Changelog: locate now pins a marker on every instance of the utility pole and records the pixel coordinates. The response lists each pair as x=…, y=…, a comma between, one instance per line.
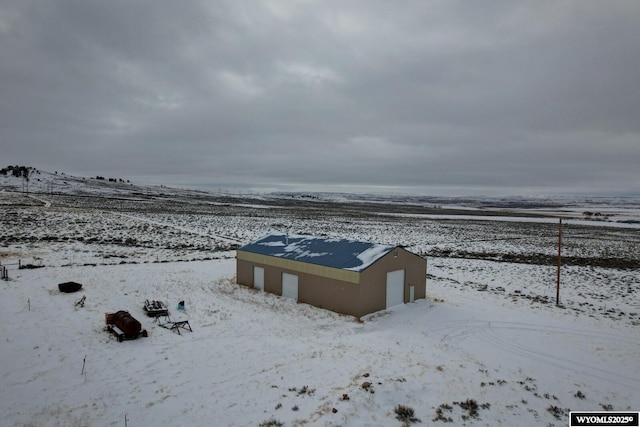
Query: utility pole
x=559, y=262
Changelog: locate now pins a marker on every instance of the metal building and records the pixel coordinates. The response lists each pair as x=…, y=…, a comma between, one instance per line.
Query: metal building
x=345, y=276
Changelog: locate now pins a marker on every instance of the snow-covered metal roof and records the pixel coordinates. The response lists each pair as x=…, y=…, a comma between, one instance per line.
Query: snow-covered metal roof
x=329, y=252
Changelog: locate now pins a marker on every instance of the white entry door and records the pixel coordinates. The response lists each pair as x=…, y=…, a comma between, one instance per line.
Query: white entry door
x=290, y=286
x=395, y=288
x=258, y=278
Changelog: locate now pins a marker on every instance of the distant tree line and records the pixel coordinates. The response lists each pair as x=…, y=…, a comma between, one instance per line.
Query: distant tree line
x=17, y=171
x=24, y=172
x=102, y=178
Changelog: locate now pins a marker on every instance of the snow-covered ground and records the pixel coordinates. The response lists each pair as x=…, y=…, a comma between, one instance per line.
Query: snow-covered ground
x=488, y=346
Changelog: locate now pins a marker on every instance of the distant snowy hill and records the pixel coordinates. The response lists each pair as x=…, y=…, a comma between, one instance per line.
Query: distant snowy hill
x=39, y=181
x=44, y=182
x=601, y=209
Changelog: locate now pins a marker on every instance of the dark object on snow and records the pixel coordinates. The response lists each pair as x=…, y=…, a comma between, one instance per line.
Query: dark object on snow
x=29, y=266
x=126, y=322
x=123, y=325
x=181, y=305
x=81, y=302
x=68, y=287
x=175, y=326
x=155, y=308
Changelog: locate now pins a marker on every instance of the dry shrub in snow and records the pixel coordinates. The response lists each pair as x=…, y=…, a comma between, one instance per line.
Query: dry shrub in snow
x=271, y=423
x=440, y=416
x=557, y=412
x=405, y=414
x=304, y=390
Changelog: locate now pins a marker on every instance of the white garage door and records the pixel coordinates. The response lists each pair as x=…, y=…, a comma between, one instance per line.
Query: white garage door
x=395, y=288
x=290, y=286
x=258, y=278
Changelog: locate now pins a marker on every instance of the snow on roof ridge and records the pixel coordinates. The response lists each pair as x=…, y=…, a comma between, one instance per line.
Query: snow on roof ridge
x=333, y=252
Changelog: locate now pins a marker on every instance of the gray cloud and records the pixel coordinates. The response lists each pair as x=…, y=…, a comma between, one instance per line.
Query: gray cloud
x=458, y=96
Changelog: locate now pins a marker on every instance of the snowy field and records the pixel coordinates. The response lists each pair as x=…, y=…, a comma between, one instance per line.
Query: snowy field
x=488, y=346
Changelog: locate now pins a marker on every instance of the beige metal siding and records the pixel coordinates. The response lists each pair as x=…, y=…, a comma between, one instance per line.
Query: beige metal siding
x=331, y=294
x=244, y=273
x=373, y=286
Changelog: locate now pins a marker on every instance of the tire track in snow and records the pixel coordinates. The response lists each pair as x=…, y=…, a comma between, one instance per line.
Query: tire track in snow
x=47, y=204
x=488, y=331
x=464, y=327
x=491, y=336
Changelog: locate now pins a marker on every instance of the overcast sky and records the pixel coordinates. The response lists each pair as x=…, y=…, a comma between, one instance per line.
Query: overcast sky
x=434, y=97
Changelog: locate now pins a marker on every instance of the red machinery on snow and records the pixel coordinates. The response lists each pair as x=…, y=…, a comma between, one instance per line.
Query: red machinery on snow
x=124, y=326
